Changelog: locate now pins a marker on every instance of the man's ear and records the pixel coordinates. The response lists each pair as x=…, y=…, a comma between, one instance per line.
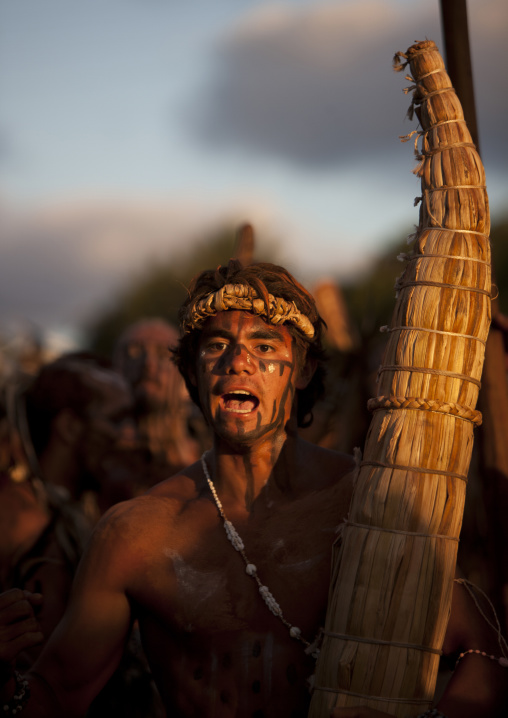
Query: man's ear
x=68, y=427
x=306, y=372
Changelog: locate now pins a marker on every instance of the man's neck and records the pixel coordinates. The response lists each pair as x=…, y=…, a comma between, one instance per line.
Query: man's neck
x=240, y=476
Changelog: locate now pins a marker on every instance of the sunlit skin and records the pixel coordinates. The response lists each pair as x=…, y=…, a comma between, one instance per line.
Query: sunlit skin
x=247, y=375
x=164, y=559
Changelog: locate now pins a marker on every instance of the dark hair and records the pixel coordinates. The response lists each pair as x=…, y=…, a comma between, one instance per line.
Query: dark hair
x=61, y=384
x=264, y=278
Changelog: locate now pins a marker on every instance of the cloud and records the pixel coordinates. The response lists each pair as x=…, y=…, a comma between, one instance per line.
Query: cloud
x=313, y=85
x=62, y=262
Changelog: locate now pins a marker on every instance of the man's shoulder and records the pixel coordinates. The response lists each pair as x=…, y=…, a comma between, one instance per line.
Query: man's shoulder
x=182, y=487
x=159, y=505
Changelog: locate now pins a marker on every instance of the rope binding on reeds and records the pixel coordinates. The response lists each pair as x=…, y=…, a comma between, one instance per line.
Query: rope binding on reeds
x=442, y=407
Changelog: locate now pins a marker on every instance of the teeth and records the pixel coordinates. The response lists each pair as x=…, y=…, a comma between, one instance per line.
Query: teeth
x=238, y=405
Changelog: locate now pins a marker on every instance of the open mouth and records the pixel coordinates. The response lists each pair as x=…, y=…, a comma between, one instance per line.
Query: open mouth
x=239, y=401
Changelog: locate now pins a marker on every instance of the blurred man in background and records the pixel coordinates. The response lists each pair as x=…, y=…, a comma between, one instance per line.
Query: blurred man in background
x=169, y=432
x=56, y=431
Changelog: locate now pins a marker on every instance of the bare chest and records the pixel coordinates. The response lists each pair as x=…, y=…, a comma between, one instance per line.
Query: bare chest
x=200, y=584
x=219, y=648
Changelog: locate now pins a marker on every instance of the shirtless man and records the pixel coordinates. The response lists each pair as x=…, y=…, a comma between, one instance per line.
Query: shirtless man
x=210, y=631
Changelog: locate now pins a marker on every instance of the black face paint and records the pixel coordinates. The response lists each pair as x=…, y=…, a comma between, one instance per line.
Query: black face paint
x=284, y=393
x=250, y=479
x=277, y=415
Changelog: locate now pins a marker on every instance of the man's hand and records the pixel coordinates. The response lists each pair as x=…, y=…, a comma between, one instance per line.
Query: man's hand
x=358, y=712
x=19, y=627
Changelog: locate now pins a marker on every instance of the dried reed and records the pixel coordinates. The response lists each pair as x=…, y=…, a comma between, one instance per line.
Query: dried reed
x=393, y=573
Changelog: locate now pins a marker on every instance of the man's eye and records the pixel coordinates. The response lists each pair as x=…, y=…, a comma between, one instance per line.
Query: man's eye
x=134, y=351
x=264, y=348
x=217, y=346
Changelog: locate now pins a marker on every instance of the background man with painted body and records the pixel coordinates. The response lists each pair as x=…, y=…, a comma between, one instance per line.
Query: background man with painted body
x=227, y=632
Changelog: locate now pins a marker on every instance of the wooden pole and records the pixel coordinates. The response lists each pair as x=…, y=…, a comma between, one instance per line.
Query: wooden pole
x=493, y=398
x=244, y=244
x=457, y=56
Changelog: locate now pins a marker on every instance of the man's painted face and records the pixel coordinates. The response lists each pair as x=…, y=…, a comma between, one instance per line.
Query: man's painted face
x=147, y=366
x=247, y=374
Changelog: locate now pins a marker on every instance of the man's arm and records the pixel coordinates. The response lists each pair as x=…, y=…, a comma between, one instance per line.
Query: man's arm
x=88, y=643
x=479, y=685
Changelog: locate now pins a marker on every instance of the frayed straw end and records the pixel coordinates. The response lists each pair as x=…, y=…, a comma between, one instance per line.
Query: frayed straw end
x=398, y=64
x=411, y=237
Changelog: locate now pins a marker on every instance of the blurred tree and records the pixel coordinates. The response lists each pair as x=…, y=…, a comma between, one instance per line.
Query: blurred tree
x=159, y=289
x=371, y=297
x=499, y=240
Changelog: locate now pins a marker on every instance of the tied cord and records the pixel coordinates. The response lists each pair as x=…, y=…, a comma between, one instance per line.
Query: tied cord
x=403, y=257
x=412, y=534
x=385, y=328
x=429, y=371
x=452, y=409
x=494, y=625
x=381, y=642
x=385, y=699
x=417, y=469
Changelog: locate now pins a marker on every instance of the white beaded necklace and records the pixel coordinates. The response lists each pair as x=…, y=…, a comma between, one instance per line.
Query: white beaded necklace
x=251, y=569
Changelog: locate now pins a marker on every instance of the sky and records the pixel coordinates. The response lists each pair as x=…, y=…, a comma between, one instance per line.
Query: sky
x=131, y=129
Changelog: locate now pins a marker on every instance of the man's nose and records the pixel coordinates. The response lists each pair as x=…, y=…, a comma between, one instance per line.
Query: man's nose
x=239, y=360
x=151, y=362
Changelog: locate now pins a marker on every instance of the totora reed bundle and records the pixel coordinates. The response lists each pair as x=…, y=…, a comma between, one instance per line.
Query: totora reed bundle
x=393, y=572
